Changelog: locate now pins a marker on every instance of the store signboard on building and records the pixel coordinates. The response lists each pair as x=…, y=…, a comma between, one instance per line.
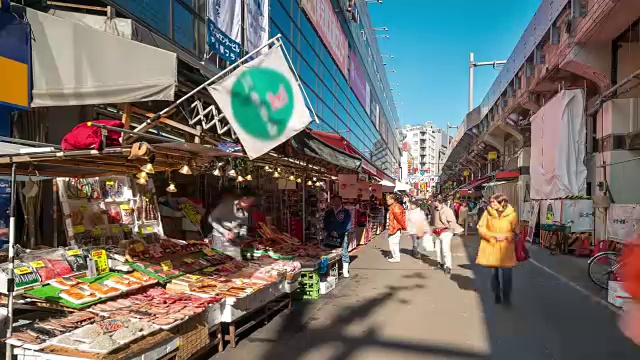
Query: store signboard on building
x=224, y=28
x=326, y=22
x=357, y=80
x=257, y=18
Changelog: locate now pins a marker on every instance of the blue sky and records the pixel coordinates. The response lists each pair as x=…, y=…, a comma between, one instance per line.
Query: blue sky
x=430, y=43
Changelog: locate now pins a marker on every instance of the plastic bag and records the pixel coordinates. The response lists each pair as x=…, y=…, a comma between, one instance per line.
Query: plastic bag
x=427, y=244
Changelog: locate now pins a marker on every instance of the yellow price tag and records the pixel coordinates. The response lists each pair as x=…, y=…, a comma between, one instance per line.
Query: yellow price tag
x=73, y=252
x=150, y=229
x=192, y=242
x=96, y=232
x=115, y=229
x=126, y=228
x=22, y=270
x=209, y=252
x=166, y=265
x=110, y=182
x=125, y=207
x=37, y=264
x=101, y=261
x=209, y=269
x=84, y=208
x=78, y=229
x=188, y=260
x=193, y=277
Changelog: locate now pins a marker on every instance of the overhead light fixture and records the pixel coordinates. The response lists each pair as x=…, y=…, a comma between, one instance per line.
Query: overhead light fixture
x=141, y=181
x=232, y=173
x=249, y=177
x=268, y=169
x=217, y=172
x=292, y=178
x=318, y=184
x=148, y=168
x=299, y=180
x=240, y=179
x=171, y=188
x=315, y=178
x=185, y=170
x=309, y=183
x=142, y=175
x=276, y=174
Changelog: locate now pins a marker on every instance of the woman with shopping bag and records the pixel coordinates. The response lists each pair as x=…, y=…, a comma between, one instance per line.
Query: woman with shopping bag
x=497, y=228
x=417, y=226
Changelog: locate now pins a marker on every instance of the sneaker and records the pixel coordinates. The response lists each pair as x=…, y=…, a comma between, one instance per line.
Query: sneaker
x=392, y=260
x=447, y=270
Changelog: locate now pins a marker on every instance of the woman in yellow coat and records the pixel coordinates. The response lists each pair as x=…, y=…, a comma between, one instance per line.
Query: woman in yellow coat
x=497, y=229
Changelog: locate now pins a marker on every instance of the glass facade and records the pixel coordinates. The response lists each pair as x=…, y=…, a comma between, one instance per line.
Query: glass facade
x=330, y=95
x=335, y=103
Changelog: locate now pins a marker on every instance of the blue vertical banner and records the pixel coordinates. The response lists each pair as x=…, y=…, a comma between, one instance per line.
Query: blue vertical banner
x=224, y=28
x=15, y=60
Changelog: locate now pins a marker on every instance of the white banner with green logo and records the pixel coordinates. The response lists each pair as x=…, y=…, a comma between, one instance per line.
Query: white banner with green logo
x=263, y=103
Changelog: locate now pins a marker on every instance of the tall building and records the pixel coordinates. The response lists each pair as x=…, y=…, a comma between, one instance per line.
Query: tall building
x=334, y=49
x=428, y=146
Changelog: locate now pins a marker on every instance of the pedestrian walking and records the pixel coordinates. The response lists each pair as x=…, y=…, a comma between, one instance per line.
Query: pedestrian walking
x=445, y=226
x=337, y=222
x=417, y=226
x=397, y=222
x=463, y=218
x=497, y=228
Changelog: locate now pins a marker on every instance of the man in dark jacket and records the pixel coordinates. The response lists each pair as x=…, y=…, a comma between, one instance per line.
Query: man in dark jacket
x=337, y=222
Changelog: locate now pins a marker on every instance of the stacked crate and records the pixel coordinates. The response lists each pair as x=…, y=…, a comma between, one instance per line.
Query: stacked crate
x=309, y=286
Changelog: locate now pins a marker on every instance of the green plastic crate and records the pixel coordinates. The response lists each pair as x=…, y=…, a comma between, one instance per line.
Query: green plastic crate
x=309, y=277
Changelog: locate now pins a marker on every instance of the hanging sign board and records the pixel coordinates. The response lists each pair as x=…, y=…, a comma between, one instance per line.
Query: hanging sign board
x=622, y=221
x=493, y=155
x=348, y=186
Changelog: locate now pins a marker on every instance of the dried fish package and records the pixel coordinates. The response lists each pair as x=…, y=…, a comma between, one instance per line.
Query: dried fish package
x=23, y=274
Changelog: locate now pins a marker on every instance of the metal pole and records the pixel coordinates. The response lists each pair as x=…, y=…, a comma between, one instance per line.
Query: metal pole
x=304, y=209
x=132, y=132
x=12, y=241
x=471, y=66
x=157, y=116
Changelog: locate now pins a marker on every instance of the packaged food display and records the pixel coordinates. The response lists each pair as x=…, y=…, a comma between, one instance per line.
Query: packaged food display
x=123, y=283
x=75, y=259
x=102, y=290
x=49, y=264
x=23, y=273
x=78, y=295
x=143, y=278
x=66, y=282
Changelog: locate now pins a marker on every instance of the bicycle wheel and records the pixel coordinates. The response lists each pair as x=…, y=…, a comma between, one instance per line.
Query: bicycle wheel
x=602, y=267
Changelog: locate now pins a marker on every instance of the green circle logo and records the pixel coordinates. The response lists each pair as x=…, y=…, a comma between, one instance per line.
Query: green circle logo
x=262, y=102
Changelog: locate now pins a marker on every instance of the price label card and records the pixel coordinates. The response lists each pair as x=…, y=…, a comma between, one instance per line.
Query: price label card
x=126, y=228
x=193, y=277
x=78, y=229
x=166, y=265
x=101, y=261
x=209, y=269
x=209, y=252
x=115, y=229
x=188, y=260
x=37, y=264
x=110, y=325
x=73, y=252
x=110, y=182
x=84, y=208
x=125, y=207
x=97, y=232
x=22, y=270
x=149, y=229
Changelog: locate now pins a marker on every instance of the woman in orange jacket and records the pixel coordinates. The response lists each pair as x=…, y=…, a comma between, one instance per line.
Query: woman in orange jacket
x=497, y=229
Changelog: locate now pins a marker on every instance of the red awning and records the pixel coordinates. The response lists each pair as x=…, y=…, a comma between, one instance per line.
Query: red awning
x=508, y=174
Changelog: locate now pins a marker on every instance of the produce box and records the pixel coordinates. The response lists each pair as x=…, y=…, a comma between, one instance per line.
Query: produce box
x=50, y=292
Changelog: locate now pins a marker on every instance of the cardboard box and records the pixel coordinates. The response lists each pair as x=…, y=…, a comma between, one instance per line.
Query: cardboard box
x=328, y=285
x=617, y=295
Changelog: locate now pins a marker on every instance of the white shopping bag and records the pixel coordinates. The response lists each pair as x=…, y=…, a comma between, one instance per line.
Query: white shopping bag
x=427, y=244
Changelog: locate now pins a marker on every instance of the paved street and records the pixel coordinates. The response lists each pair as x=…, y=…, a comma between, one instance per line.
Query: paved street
x=412, y=311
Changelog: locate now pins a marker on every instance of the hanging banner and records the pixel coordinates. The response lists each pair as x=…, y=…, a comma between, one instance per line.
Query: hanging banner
x=535, y=206
x=348, y=186
x=357, y=79
x=376, y=190
x=363, y=190
x=324, y=19
x=15, y=60
x=579, y=214
x=224, y=28
x=622, y=221
x=550, y=212
x=257, y=32
x=262, y=102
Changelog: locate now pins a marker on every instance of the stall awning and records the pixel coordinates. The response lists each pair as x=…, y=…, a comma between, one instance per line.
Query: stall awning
x=73, y=64
x=340, y=142
x=474, y=184
x=307, y=143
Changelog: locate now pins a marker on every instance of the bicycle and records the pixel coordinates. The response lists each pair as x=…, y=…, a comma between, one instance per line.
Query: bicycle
x=603, y=267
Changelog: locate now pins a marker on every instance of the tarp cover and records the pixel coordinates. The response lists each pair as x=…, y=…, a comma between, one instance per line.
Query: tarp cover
x=74, y=64
x=558, y=135
x=308, y=144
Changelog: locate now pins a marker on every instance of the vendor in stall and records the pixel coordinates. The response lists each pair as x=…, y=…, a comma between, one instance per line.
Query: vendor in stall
x=230, y=221
x=337, y=222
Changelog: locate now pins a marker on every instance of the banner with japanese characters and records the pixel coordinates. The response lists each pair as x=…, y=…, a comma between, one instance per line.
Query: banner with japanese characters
x=257, y=29
x=224, y=28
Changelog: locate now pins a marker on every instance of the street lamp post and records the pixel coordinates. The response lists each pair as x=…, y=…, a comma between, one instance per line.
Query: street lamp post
x=472, y=65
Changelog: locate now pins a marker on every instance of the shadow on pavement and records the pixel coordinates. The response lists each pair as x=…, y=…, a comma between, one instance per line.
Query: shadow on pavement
x=464, y=282
x=334, y=333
